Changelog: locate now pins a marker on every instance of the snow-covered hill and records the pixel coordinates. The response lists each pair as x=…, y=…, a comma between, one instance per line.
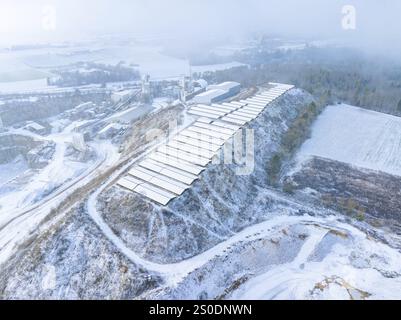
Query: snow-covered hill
x=217, y=206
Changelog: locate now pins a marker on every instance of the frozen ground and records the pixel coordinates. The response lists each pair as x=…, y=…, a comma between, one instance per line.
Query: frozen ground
x=12, y=69
x=294, y=257
x=16, y=76
x=26, y=70
x=356, y=136
x=336, y=261
x=285, y=257
x=27, y=203
x=245, y=240
x=24, y=86
x=150, y=59
x=43, y=182
x=10, y=171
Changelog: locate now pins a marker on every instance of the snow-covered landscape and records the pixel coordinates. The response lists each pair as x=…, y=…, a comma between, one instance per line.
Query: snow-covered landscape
x=173, y=151
x=252, y=242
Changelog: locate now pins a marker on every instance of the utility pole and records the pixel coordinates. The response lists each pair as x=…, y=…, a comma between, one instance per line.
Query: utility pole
x=146, y=94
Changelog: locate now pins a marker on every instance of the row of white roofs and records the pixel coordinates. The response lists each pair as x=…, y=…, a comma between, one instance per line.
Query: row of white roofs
x=172, y=168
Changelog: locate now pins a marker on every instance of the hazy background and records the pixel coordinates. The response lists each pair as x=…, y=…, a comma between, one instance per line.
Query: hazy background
x=378, y=23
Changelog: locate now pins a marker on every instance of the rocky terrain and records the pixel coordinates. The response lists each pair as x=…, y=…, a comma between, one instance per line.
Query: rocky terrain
x=218, y=205
x=351, y=189
x=13, y=145
x=294, y=257
x=72, y=261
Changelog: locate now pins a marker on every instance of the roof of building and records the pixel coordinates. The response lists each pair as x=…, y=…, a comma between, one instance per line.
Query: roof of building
x=83, y=105
x=111, y=126
x=212, y=93
x=202, y=83
x=35, y=126
x=131, y=113
x=123, y=92
x=225, y=85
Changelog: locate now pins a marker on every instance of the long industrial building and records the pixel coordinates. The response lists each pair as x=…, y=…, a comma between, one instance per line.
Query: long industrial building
x=231, y=87
x=218, y=92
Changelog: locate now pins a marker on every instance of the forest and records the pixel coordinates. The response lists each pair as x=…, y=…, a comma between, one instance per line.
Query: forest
x=332, y=74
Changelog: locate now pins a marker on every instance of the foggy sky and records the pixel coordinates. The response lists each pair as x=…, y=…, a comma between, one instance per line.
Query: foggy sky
x=378, y=23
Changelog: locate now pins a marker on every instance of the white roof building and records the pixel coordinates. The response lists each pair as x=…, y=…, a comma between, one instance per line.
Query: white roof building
x=201, y=83
x=121, y=95
x=210, y=96
x=218, y=92
x=34, y=126
x=131, y=114
x=110, y=130
x=228, y=85
x=84, y=106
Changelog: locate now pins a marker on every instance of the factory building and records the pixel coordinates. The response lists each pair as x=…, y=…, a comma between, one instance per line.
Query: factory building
x=35, y=127
x=121, y=96
x=200, y=83
x=218, y=92
x=211, y=96
x=230, y=86
x=131, y=114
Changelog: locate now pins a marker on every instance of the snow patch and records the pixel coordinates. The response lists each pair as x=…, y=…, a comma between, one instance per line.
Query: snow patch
x=356, y=136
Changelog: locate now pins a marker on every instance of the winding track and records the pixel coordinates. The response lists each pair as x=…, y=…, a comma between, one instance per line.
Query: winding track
x=175, y=272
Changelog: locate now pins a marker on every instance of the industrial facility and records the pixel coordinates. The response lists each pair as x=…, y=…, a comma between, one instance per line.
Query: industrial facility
x=218, y=92
x=231, y=87
x=121, y=95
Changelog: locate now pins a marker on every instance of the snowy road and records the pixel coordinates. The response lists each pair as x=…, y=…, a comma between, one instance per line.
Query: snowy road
x=176, y=272
x=292, y=280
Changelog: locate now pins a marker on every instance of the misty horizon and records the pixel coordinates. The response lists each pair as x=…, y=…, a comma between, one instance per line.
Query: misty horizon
x=200, y=150
x=377, y=26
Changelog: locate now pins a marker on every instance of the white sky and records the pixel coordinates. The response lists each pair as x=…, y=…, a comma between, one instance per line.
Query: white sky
x=378, y=22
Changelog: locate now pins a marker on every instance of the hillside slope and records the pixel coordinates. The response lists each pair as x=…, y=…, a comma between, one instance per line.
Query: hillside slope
x=218, y=205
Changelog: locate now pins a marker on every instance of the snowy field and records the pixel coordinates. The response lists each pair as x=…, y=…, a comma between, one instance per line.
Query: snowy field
x=17, y=76
x=10, y=171
x=150, y=59
x=12, y=69
x=26, y=70
x=24, y=86
x=356, y=136
x=217, y=67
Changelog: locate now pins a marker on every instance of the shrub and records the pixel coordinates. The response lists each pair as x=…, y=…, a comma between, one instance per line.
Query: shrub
x=289, y=187
x=298, y=132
